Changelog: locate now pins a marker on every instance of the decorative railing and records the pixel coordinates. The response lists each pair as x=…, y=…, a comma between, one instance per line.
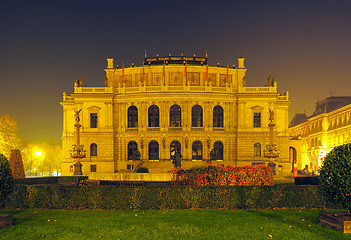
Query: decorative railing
x=175, y=129
x=153, y=129
x=199, y=129
x=258, y=89
x=132, y=129
x=93, y=90
x=218, y=129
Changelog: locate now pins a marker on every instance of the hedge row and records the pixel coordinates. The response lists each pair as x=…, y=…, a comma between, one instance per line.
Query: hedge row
x=144, y=198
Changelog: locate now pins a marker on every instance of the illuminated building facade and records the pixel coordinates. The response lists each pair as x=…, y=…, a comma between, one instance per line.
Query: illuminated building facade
x=144, y=113
x=315, y=136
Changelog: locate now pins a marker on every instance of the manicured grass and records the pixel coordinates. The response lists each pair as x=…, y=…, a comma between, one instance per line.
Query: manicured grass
x=171, y=224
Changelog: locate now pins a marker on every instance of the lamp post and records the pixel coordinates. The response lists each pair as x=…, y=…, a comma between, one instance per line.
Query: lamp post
x=271, y=151
x=37, y=154
x=77, y=152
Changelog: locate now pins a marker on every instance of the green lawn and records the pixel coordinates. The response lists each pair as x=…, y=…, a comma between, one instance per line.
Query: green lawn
x=171, y=224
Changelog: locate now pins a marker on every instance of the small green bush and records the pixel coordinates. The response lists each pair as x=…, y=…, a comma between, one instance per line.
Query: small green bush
x=6, y=179
x=142, y=170
x=335, y=176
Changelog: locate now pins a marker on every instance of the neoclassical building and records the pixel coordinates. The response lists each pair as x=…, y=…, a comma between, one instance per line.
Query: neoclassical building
x=315, y=136
x=143, y=114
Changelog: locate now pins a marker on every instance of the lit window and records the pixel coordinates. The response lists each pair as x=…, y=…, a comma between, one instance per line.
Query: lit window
x=196, y=116
x=217, y=116
x=71, y=168
x=93, y=150
x=257, y=120
x=93, y=120
x=175, y=116
x=257, y=149
x=92, y=168
x=154, y=116
x=132, y=117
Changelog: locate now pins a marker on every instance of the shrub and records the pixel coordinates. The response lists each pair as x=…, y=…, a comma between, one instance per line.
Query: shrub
x=168, y=197
x=219, y=176
x=6, y=179
x=142, y=170
x=335, y=177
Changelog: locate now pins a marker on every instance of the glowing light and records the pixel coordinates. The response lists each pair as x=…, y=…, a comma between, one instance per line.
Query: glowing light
x=38, y=153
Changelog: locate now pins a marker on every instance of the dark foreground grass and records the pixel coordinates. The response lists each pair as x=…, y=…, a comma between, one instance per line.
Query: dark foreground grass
x=172, y=224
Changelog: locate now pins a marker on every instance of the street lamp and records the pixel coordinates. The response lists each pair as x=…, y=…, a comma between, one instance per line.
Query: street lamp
x=38, y=153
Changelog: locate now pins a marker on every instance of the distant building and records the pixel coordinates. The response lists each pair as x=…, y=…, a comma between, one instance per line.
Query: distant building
x=315, y=136
x=145, y=113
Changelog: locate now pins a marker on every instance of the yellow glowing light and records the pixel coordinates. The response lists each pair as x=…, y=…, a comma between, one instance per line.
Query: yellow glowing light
x=38, y=153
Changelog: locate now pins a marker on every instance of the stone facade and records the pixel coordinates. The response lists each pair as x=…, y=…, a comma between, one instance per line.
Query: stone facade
x=145, y=112
x=314, y=136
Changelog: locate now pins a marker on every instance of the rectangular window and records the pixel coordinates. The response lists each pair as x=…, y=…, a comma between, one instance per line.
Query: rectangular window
x=257, y=120
x=92, y=168
x=93, y=120
x=71, y=168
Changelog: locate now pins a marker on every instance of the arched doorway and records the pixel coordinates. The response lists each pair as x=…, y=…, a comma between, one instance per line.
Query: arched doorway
x=197, y=150
x=153, y=150
x=133, y=153
x=217, y=151
x=175, y=147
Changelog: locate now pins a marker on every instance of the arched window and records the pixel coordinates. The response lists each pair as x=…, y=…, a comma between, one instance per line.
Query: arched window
x=217, y=151
x=217, y=116
x=93, y=150
x=175, y=147
x=196, y=116
x=154, y=116
x=132, y=117
x=257, y=149
x=153, y=150
x=197, y=150
x=175, y=116
x=133, y=153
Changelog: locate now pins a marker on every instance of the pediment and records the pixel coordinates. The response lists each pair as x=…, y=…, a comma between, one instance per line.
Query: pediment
x=257, y=108
x=93, y=109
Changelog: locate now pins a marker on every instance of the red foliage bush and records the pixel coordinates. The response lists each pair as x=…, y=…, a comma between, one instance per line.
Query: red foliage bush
x=223, y=175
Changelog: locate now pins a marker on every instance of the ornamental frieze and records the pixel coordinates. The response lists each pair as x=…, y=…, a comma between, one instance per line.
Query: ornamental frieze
x=156, y=79
x=193, y=79
x=224, y=80
x=175, y=79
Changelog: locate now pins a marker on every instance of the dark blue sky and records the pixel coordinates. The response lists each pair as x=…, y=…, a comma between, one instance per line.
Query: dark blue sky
x=45, y=45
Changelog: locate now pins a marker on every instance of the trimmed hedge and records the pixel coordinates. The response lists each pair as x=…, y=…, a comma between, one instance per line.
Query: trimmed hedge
x=6, y=179
x=145, y=198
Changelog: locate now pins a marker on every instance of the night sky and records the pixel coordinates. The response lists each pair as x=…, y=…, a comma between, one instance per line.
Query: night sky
x=45, y=45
